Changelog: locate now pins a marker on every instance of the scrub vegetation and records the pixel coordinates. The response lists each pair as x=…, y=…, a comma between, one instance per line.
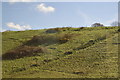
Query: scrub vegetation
x=85, y=52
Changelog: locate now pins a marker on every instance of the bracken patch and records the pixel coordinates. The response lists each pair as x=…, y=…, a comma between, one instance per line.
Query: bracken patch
x=23, y=51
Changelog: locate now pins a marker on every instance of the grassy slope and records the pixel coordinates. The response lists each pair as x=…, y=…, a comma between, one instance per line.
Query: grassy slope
x=97, y=60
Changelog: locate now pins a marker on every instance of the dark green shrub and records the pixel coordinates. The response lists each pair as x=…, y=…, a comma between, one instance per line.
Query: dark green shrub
x=119, y=30
x=78, y=29
x=47, y=60
x=34, y=65
x=55, y=30
x=97, y=25
x=78, y=72
x=52, y=31
x=106, y=27
x=82, y=27
x=69, y=52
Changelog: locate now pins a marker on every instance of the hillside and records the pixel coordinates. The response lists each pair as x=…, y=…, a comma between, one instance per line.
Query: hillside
x=86, y=52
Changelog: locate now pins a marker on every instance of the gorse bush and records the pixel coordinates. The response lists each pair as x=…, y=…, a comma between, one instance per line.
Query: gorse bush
x=23, y=51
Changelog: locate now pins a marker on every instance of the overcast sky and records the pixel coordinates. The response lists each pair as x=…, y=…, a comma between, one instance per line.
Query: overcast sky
x=40, y=15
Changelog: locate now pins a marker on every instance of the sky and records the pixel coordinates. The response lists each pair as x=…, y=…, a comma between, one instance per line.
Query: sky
x=42, y=15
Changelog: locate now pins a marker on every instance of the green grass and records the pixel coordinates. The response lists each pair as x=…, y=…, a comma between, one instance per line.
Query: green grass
x=94, y=53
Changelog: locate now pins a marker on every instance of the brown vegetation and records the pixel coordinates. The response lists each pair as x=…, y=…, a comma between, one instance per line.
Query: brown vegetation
x=42, y=39
x=23, y=51
x=64, y=38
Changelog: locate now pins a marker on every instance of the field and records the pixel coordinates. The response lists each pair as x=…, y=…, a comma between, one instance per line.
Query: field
x=86, y=52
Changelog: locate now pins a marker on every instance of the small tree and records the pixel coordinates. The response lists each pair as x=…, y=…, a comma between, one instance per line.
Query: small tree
x=97, y=25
